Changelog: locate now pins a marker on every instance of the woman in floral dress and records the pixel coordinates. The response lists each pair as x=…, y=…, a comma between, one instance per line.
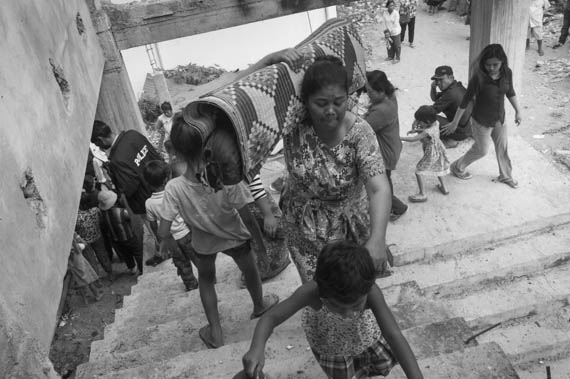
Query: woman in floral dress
x=336, y=186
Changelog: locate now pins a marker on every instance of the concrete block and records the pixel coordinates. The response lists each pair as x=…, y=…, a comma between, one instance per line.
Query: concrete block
x=559, y=369
x=534, y=338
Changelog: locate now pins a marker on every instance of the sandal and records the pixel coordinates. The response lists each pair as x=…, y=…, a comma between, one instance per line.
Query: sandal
x=442, y=189
x=205, y=336
x=458, y=174
x=418, y=198
x=271, y=300
x=510, y=182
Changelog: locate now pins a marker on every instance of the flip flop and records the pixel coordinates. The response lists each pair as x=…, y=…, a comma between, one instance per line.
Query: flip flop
x=271, y=300
x=442, y=190
x=205, y=336
x=510, y=182
x=458, y=174
x=417, y=198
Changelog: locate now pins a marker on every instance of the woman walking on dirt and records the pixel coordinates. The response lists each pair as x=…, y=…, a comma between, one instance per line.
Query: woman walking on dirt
x=492, y=81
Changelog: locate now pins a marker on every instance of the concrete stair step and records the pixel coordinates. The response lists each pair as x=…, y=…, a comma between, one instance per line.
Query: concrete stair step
x=559, y=369
x=456, y=273
x=508, y=299
x=426, y=340
x=171, y=286
x=189, y=312
x=534, y=338
x=233, y=306
x=539, y=225
x=495, y=301
x=486, y=361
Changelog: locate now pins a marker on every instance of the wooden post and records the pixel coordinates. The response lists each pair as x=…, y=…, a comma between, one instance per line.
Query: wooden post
x=504, y=22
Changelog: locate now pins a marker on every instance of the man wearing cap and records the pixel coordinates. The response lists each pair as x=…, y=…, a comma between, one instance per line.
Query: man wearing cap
x=128, y=152
x=447, y=101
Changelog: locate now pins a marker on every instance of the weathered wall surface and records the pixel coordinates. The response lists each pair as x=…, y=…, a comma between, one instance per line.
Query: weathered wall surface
x=50, y=72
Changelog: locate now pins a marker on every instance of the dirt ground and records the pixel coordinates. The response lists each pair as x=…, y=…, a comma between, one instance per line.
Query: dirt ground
x=440, y=39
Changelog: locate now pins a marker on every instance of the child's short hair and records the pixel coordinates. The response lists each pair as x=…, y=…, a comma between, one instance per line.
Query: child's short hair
x=165, y=106
x=426, y=113
x=156, y=173
x=345, y=271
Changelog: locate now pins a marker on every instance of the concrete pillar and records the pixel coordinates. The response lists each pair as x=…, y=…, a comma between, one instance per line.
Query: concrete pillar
x=117, y=105
x=161, y=87
x=504, y=22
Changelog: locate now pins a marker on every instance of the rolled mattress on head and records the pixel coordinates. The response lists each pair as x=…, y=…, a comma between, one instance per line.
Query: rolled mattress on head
x=260, y=107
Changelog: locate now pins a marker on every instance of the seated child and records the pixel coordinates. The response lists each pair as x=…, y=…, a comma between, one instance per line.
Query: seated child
x=118, y=221
x=221, y=222
x=435, y=161
x=156, y=174
x=348, y=325
x=84, y=277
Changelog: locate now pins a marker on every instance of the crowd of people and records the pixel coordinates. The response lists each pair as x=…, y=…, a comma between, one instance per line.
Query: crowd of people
x=335, y=205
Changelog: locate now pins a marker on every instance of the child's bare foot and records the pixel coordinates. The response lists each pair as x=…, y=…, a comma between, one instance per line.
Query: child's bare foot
x=442, y=189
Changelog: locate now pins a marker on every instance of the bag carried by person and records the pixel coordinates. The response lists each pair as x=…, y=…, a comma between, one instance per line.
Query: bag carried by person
x=404, y=18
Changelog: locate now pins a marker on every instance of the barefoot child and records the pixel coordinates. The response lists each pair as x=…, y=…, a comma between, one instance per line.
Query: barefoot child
x=221, y=222
x=434, y=161
x=348, y=325
x=157, y=173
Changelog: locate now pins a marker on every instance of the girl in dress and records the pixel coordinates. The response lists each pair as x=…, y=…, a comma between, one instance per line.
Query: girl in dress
x=346, y=320
x=434, y=162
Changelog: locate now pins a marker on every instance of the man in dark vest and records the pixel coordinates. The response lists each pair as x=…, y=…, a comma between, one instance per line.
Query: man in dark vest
x=128, y=153
x=446, y=101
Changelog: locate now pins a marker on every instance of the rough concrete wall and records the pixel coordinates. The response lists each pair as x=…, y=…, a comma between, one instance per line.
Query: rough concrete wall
x=49, y=83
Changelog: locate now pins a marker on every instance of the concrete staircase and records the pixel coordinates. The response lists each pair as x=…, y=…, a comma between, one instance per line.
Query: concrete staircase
x=523, y=283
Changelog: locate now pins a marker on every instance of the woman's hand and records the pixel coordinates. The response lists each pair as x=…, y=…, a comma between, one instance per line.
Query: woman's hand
x=270, y=224
x=518, y=118
x=379, y=257
x=449, y=128
x=253, y=362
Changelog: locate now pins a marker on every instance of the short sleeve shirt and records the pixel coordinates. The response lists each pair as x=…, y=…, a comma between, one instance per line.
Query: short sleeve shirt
x=154, y=212
x=213, y=216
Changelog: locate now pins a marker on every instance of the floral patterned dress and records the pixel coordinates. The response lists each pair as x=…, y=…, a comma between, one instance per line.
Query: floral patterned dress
x=347, y=346
x=435, y=161
x=324, y=198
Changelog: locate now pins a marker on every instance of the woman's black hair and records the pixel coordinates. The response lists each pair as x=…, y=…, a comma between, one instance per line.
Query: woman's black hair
x=493, y=50
x=186, y=139
x=379, y=82
x=390, y=2
x=345, y=271
x=326, y=70
x=426, y=113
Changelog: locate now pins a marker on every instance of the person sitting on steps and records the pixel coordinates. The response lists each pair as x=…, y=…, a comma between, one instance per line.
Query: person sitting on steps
x=446, y=101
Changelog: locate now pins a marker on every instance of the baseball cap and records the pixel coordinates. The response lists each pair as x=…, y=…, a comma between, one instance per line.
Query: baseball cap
x=441, y=71
x=106, y=199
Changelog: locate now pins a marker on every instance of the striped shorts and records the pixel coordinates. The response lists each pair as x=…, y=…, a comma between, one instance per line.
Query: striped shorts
x=377, y=359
